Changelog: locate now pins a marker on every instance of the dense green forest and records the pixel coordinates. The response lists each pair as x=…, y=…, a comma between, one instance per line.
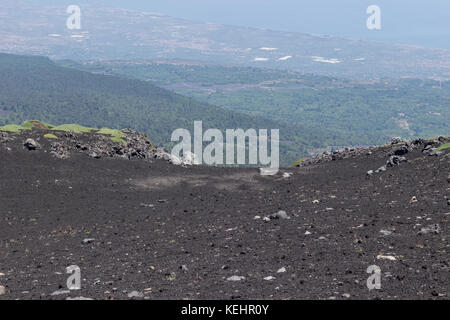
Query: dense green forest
x=348, y=113
x=37, y=88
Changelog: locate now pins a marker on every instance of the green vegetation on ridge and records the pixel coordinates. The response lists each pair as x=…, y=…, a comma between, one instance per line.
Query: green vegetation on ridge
x=115, y=134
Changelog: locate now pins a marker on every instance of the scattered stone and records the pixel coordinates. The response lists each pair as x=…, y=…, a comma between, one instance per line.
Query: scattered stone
x=94, y=155
x=401, y=151
x=268, y=171
x=269, y=278
x=287, y=174
x=60, y=150
x=147, y=205
x=280, y=215
x=189, y=159
x=432, y=228
x=381, y=169
x=434, y=153
x=135, y=294
x=173, y=159
x=266, y=219
x=281, y=270
x=30, y=144
x=79, y=298
x=396, y=140
x=307, y=233
x=2, y=290
x=4, y=137
x=413, y=199
x=369, y=173
x=386, y=232
x=88, y=240
x=316, y=201
x=382, y=257
x=235, y=278
x=395, y=160
x=184, y=268
x=256, y=218
x=60, y=292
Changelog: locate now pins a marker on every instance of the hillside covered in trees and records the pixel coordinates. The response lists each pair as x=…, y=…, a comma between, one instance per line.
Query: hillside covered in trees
x=347, y=112
x=37, y=88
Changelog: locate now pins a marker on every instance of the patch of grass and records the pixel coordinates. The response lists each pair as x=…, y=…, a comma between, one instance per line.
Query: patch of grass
x=116, y=135
x=111, y=132
x=31, y=124
x=443, y=147
x=13, y=128
x=50, y=136
x=76, y=128
x=117, y=139
x=151, y=143
x=296, y=163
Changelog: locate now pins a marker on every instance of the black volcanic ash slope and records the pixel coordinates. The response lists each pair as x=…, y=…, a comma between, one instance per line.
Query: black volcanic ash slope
x=146, y=229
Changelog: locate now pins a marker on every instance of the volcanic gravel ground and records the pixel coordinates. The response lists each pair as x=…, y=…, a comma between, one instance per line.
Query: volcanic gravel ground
x=172, y=232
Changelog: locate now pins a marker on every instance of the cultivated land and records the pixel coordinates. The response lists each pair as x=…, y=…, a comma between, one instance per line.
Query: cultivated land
x=174, y=232
x=112, y=33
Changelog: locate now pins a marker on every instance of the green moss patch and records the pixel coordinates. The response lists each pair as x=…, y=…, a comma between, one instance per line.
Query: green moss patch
x=296, y=163
x=118, y=140
x=116, y=135
x=14, y=128
x=50, y=136
x=443, y=147
x=148, y=140
x=111, y=132
x=76, y=128
x=32, y=124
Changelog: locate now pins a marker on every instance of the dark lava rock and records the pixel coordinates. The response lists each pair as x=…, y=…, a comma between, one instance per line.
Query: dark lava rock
x=31, y=144
x=4, y=137
x=401, y=151
x=433, y=152
x=395, y=160
x=396, y=140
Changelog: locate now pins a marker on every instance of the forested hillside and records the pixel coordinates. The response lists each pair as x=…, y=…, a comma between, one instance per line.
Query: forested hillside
x=347, y=112
x=37, y=88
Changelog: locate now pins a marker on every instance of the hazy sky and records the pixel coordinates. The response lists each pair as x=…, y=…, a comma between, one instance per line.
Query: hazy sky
x=417, y=22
